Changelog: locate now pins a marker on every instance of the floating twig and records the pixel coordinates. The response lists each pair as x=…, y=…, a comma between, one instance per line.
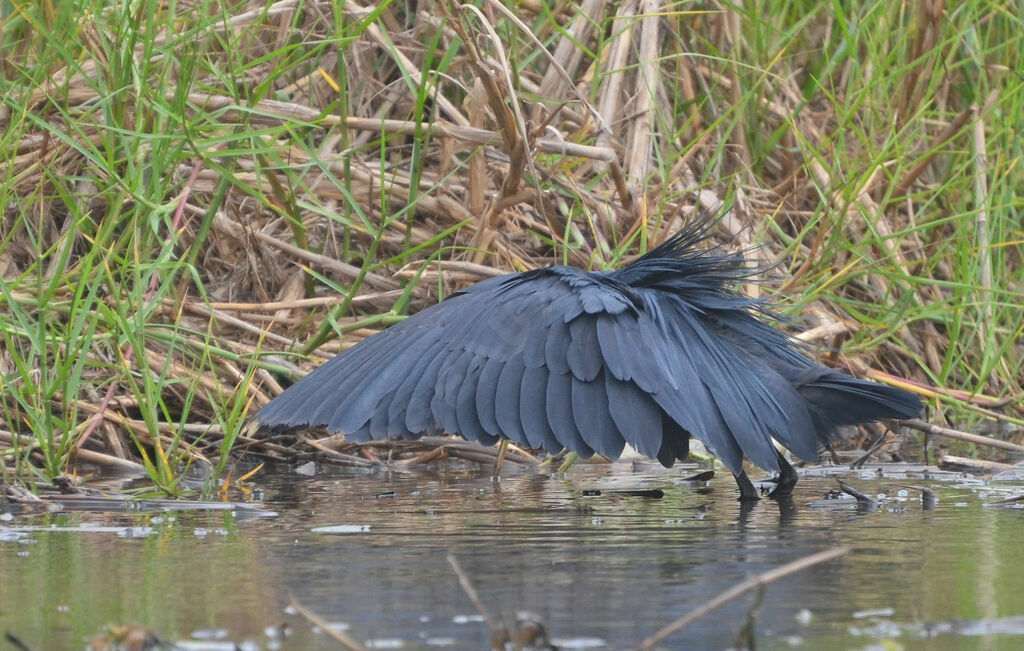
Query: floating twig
x=16, y=642
x=853, y=492
x=742, y=587
x=1008, y=502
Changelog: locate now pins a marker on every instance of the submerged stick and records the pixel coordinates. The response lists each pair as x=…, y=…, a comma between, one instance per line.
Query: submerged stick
x=467, y=587
x=745, y=586
x=340, y=637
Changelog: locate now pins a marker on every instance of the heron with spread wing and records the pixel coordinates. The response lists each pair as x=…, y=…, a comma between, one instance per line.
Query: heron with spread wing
x=560, y=358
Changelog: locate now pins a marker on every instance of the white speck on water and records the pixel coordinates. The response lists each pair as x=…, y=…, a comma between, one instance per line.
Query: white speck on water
x=210, y=634
x=439, y=641
x=273, y=632
x=873, y=612
x=342, y=528
x=580, y=643
x=467, y=619
x=803, y=617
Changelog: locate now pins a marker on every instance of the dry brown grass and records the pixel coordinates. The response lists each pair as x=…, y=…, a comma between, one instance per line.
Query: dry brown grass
x=270, y=154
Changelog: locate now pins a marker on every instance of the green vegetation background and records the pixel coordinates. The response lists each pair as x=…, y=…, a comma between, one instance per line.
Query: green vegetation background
x=199, y=197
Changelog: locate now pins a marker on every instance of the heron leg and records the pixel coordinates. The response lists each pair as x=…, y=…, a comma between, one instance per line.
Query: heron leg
x=747, y=491
x=787, y=478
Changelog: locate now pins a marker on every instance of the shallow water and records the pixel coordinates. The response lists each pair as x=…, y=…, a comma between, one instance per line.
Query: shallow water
x=951, y=576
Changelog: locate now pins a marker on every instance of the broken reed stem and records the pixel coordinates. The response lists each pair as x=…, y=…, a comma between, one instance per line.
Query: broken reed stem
x=638, y=154
x=953, y=462
x=929, y=428
x=982, y=232
x=500, y=459
x=340, y=457
x=742, y=587
x=89, y=456
x=304, y=303
x=472, y=135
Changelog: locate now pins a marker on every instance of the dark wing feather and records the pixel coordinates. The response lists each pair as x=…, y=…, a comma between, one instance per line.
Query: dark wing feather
x=326, y=385
x=419, y=417
x=506, y=402
x=593, y=419
x=450, y=378
x=465, y=404
x=486, y=396
x=584, y=355
x=559, y=409
x=675, y=442
x=622, y=349
x=398, y=406
x=556, y=347
x=381, y=369
x=840, y=399
x=736, y=389
x=636, y=415
x=533, y=409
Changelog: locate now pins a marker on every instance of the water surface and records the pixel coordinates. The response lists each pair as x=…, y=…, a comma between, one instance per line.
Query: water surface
x=599, y=566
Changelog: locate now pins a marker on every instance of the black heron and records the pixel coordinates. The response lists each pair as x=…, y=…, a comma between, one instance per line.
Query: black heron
x=560, y=358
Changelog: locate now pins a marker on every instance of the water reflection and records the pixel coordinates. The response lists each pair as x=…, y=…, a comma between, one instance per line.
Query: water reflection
x=593, y=561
